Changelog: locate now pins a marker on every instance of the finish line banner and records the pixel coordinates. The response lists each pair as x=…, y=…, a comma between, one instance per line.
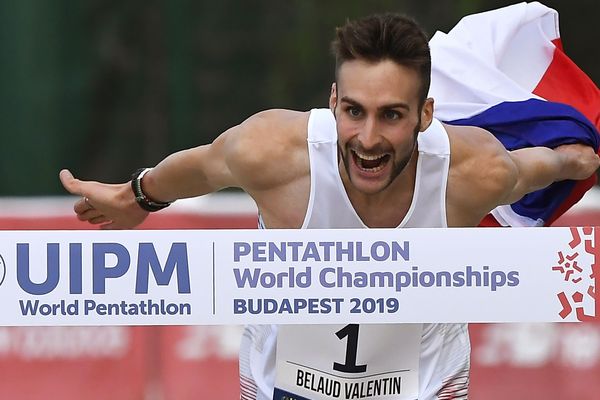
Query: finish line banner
x=206, y=277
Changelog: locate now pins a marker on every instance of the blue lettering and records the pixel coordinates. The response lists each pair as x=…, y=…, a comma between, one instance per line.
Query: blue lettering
x=402, y=280
x=295, y=249
x=359, y=252
x=176, y=260
x=240, y=249
x=75, y=268
x=341, y=251
x=277, y=253
x=513, y=278
x=251, y=278
x=52, y=270
x=100, y=271
x=28, y=307
x=498, y=280
x=375, y=253
x=311, y=252
x=258, y=251
x=323, y=277
x=326, y=250
x=239, y=306
x=403, y=251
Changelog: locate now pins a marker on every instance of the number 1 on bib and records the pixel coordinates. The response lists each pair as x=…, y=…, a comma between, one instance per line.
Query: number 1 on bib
x=350, y=331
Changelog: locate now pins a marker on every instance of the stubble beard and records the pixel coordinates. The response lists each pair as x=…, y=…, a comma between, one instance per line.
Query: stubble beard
x=398, y=166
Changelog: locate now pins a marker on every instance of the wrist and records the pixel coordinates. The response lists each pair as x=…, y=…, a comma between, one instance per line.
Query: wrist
x=141, y=198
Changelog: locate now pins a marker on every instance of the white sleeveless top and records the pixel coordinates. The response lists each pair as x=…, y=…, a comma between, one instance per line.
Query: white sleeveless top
x=445, y=348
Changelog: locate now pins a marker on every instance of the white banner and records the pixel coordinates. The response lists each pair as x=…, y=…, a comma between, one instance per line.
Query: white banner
x=298, y=276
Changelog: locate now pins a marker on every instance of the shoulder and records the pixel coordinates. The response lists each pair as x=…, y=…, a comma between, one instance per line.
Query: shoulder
x=482, y=172
x=275, y=118
x=473, y=141
x=269, y=148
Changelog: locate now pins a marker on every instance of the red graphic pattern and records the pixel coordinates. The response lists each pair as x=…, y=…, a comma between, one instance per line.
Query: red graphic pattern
x=572, y=271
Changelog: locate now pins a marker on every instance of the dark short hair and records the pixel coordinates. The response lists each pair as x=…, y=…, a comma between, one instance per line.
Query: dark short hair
x=381, y=37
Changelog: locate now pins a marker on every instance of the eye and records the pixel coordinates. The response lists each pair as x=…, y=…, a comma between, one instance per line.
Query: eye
x=353, y=111
x=391, y=115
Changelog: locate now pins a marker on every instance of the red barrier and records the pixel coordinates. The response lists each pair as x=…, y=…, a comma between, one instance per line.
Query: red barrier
x=72, y=363
x=200, y=362
x=535, y=361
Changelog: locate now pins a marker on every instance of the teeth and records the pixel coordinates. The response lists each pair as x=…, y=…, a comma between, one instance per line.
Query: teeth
x=374, y=169
x=367, y=157
x=376, y=162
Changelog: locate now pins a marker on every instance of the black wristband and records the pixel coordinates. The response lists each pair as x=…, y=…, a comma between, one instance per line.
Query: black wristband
x=140, y=197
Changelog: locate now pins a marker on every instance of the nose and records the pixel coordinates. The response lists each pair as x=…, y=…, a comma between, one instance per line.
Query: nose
x=368, y=136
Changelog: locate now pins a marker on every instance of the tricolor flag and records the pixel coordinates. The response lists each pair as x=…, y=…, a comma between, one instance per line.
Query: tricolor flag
x=505, y=71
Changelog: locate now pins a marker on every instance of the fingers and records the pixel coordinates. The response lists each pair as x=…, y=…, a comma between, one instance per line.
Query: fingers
x=99, y=220
x=81, y=206
x=93, y=217
x=111, y=226
x=71, y=184
x=89, y=214
x=92, y=194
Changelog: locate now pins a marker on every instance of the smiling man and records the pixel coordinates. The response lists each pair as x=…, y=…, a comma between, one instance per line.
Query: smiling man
x=375, y=158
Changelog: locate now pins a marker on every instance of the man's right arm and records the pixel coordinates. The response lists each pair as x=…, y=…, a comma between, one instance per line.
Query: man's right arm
x=240, y=157
x=194, y=172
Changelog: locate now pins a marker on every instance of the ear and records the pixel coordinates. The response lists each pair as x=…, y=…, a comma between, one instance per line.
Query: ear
x=426, y=114
x=333, y=97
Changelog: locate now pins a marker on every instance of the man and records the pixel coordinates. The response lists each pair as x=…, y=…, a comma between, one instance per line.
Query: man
x=376, y=158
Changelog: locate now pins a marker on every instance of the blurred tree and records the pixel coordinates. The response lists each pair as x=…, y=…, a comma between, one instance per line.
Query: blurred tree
x=44, y=76
x=105, y=86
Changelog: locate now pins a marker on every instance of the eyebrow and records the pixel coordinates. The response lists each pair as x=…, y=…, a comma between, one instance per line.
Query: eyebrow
x=350, y=100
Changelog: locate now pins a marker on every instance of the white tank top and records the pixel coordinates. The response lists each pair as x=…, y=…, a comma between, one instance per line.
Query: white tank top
x=445, y=348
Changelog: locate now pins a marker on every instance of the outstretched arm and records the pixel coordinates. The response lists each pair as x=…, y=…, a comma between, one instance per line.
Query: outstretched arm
x=187, y=173
x=240, y=157
x=538, y=167
x=483, y=175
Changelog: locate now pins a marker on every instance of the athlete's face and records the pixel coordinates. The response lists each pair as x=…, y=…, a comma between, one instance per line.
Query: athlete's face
x=376, y=106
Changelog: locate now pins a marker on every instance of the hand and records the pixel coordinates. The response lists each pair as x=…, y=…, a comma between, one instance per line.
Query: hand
x=112, y=206
x=580, y=161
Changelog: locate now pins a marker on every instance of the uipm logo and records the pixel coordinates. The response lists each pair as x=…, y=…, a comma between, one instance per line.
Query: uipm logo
x=2, y=270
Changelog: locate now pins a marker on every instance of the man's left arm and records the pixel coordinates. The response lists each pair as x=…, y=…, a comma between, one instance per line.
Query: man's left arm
x=538, y=167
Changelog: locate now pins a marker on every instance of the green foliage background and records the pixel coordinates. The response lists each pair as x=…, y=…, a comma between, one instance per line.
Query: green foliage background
x=106, y=86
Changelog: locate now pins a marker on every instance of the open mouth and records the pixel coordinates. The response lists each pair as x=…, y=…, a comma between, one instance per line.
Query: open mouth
x=370, y=163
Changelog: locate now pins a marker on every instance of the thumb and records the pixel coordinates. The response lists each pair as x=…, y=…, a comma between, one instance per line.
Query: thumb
x=71, y=184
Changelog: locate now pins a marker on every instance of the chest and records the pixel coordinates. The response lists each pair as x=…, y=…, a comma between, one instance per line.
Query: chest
x=285, y=207
x=390, y=213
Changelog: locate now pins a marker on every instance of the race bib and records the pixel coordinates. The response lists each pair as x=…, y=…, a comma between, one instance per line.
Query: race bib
x=351, y=361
